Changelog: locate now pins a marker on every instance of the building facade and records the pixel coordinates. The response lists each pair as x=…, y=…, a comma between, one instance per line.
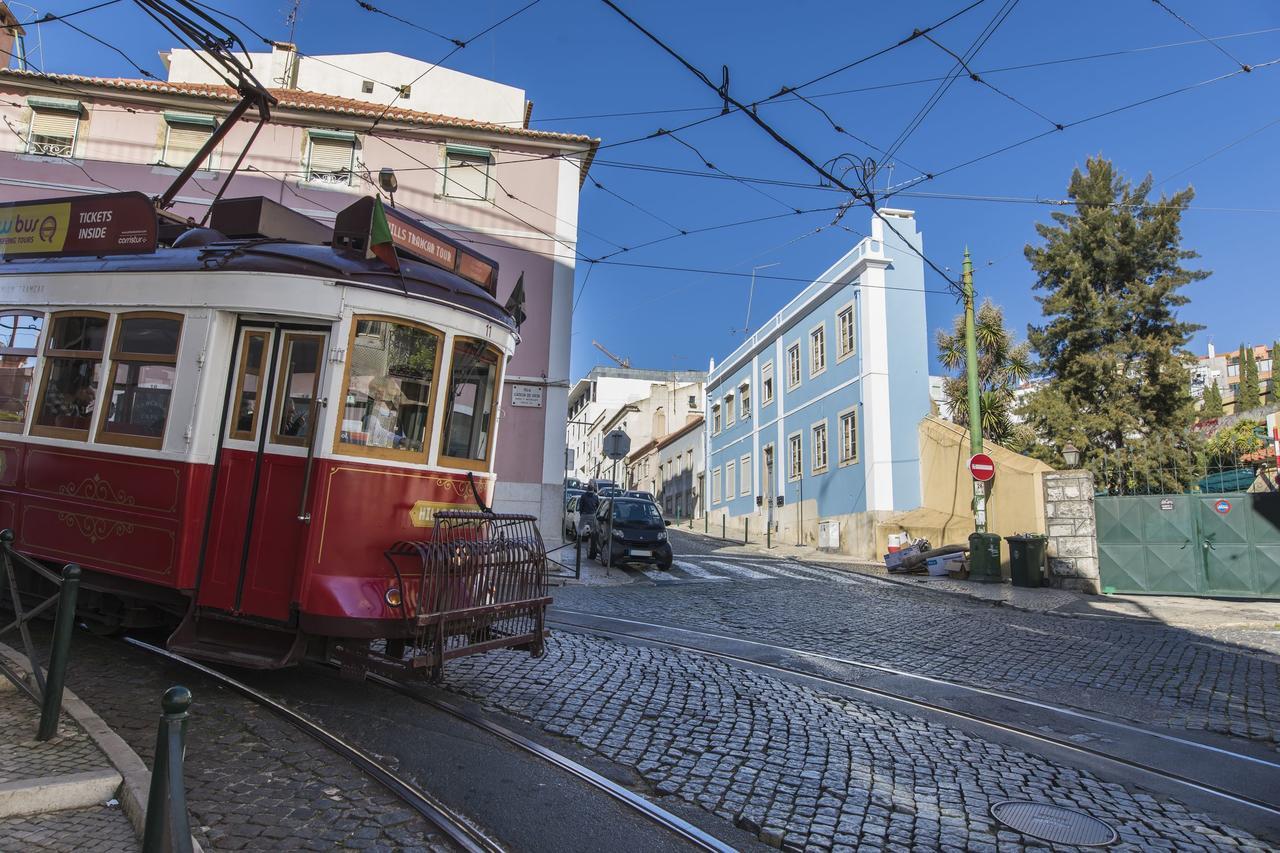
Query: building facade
x=466, y=162
x=670, y=468
x=812, y=422
x=645, y=404
x=1223, y=369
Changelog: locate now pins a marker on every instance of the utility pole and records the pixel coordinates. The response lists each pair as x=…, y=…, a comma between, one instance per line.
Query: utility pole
x=975, y=398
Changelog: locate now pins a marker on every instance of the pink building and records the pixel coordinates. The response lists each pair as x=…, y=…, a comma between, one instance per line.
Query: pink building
x=464, y=157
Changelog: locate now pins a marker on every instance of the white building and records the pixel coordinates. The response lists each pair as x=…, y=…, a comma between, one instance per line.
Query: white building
x=610, y=397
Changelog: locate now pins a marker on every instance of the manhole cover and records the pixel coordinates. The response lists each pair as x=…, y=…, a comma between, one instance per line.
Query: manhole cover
x=1053, y=823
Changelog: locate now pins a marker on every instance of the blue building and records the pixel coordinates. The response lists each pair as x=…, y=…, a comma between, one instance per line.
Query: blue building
x=812, y=422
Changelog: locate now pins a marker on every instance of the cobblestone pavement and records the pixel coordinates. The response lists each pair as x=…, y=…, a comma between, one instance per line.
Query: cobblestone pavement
x=24, y=757
x=804, y=770
x=1156, y=674
x=93, y=830
x=253, y=782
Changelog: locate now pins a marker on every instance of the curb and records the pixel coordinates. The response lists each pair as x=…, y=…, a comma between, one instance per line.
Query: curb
x=136, y=778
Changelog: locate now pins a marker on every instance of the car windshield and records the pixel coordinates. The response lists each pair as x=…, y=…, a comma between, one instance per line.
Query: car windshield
x=641, y=512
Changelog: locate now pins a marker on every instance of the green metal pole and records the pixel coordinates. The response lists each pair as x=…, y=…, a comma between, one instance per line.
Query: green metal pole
x=64, y=624
x=975, y=398
x=166, y=826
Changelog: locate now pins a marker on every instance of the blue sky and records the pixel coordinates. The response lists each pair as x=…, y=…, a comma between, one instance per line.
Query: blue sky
x=579, y=62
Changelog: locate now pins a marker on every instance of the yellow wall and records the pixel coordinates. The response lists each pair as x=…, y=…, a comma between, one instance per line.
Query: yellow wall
x=1015, y=502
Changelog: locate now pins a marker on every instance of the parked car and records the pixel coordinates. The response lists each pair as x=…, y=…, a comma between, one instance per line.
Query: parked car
x=648, y=496
x=630, y=530
x=570, y=523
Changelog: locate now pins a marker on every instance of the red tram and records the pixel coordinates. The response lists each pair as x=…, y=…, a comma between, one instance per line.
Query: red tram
x=246, y=428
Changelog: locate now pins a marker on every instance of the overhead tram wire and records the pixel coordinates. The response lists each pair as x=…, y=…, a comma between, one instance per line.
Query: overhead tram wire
x=978, y=43
x=369, y=7
x=977, y=78
x=1186, y=23
x=713, y=167
x=856, y=194
x=50, y=18
x=1105, y=113
x=721, y=227
x=447, y=56
x=1215, y=153
x=630, y=203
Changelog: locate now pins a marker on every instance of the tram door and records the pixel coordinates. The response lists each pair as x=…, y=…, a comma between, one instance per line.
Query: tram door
x=256, y=536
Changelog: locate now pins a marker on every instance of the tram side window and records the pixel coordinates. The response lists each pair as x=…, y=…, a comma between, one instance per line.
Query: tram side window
x=296, y=389
x=19, y=341
x=471, y=403
x=249, y=387
x=391, y=375
x=72, y=373
x=144, y=357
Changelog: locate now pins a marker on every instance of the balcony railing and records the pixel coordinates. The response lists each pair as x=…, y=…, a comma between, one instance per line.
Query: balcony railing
x=330, y=179
x=53, y=148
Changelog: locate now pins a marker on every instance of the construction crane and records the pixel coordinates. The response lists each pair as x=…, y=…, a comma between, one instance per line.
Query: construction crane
x=621, y=362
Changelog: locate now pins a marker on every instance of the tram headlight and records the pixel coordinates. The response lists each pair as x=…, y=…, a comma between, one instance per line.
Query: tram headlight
x=393, y=597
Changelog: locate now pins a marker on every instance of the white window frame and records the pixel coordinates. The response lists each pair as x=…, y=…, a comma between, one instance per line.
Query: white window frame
x=796, y=374
x=744, y=400
x=78, y=111
x=767, y=381
x=715, y=485
x=816, y=429
x=744, y=474
x=730, y=471
x=308, y=177
x=850, y=308
x=795, y=461
x=203, y=121
x=715, y=419
x=852, y=414
x=466, y=151
x=816, y=369
x=729, y=419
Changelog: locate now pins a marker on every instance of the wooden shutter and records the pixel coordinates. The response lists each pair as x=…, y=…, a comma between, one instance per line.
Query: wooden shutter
x=49, y=126
x=183, y=142
x=330, y=156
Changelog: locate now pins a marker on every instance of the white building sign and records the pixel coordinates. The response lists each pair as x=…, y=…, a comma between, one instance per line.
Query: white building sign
x=529, y=396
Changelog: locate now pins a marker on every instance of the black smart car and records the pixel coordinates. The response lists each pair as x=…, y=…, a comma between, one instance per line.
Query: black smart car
x=630, y=530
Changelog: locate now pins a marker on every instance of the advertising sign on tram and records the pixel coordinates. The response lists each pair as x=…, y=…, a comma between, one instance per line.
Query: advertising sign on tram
x=110, y=224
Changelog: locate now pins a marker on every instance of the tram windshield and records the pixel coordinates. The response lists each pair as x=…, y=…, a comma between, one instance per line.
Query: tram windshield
x=469, y=418
x=390, y=377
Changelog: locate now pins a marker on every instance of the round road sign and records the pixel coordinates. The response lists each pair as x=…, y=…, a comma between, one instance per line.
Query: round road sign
x=1222, y=507
x=982, y=467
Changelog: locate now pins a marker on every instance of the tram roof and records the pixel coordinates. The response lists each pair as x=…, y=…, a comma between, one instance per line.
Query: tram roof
x=268, y=255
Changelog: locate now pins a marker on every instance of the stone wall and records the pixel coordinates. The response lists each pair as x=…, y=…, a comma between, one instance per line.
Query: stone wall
x=1072, y=529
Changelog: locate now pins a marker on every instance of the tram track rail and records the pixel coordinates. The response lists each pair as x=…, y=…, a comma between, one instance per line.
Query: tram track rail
x=1234, y=770
x=675, y=824
x=454, y=825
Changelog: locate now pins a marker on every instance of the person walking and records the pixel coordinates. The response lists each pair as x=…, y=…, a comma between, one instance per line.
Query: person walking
x=587, y=506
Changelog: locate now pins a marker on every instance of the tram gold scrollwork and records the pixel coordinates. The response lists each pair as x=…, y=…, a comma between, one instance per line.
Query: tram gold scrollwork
x=93, y=528
x=98, y=489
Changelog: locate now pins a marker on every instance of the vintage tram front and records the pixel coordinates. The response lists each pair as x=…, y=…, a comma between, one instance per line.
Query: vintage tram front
x=245, y=431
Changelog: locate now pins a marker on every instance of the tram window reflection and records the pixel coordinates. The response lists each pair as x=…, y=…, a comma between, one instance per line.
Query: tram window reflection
x=144, y=357
x=296, y=389
x=72, y=372
x=471, y=404
x=253, y=347
x=390, y=376
x=19, y=339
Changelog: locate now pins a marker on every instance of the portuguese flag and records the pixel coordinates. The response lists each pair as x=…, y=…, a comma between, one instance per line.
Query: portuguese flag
x=380, y=242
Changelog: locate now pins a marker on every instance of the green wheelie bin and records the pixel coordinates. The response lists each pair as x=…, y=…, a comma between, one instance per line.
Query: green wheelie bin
x=1026, y=558
x=984, y=558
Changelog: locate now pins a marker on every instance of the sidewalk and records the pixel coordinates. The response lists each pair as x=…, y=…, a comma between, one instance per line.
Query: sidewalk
x=1195, y=613
x=67, y=793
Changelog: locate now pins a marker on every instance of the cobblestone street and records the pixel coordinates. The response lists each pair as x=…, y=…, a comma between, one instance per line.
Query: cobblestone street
x=798, y=767
x=1151, y=673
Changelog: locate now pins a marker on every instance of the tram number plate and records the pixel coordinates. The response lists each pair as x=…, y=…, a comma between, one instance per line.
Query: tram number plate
x=638, y=552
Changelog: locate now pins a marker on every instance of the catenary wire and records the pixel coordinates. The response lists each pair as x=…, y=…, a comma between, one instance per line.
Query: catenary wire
x=1186, y=23
x=369, y=7
x=50, y=18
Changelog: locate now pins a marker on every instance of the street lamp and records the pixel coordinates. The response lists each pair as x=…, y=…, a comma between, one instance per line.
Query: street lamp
x=387, y=180
x=1071, y=454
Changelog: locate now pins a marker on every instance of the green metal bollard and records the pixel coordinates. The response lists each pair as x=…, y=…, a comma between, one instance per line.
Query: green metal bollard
x=746, y=531
x=51, y=700
x=722, y=526
x=168, y=829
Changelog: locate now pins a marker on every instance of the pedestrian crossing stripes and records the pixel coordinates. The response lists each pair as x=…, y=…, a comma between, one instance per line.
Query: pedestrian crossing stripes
x=700, y=568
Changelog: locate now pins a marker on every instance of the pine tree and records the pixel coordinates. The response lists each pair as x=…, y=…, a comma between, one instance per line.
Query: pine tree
x=1001, y=367
x=1248, y=397
x=1212, y=405
x=1112, y=345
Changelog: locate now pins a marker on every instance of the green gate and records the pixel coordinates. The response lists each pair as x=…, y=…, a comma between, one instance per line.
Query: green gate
x=1200, y=544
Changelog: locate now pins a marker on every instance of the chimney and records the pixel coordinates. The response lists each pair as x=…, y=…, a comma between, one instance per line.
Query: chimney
x=284, y=66
x=11, y=33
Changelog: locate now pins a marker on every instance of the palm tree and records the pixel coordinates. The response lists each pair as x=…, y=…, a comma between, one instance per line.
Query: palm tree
x=1002, y=366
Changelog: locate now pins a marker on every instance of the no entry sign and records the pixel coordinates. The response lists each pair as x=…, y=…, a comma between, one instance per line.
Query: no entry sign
x=982, y=467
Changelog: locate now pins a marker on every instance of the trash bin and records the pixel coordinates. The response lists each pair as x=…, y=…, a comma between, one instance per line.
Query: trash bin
x=1026, y=558
x=984, y=557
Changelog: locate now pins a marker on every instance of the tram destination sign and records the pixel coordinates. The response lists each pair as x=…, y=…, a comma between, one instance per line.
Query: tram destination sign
x=110, y=224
